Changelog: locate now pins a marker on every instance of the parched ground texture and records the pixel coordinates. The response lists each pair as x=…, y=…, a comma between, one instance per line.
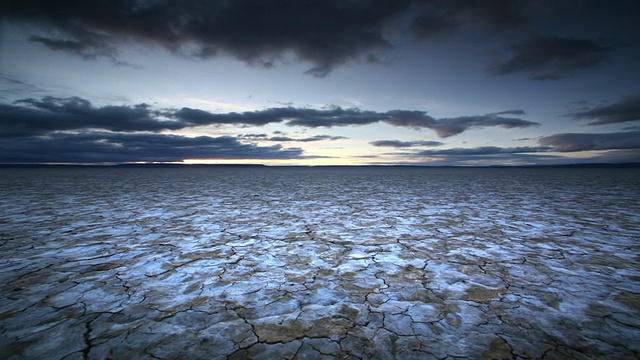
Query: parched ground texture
x=319, y=263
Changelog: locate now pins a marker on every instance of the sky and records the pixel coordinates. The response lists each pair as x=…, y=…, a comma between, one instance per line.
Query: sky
x=295, y=82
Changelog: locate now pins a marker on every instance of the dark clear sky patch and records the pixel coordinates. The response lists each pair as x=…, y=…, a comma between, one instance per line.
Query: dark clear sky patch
x=440, y=17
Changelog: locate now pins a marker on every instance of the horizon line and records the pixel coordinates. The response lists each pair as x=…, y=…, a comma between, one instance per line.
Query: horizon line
x=240, y=165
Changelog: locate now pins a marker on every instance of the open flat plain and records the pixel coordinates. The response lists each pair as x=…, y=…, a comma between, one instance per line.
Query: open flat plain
x=319, y=263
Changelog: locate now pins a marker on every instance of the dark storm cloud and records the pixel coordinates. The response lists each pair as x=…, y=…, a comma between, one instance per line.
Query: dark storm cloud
x=570, y=142
x=404, y=144
x=624, y=110
x=324, y=33
x=551, y=58
x=120, y=147
x=32, y=117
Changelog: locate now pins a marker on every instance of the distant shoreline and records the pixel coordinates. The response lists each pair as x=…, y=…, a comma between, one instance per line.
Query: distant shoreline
x=560, y=166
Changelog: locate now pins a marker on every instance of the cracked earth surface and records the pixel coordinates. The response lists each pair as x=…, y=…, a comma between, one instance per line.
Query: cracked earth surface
x=319, y=263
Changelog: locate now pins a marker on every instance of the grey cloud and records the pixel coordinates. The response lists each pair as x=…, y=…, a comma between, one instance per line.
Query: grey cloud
x=565, y=142
x=619, y=147
x=87, y=49
x=618, y=156
x=453, y=126
x=484, y=156
x=510, y=112
x=483, y=150
x=280, y=138
x=334, y=116
x=90, y=47
x=195, y=117
x=30, y=117
x=307, y=139
x=404, y=144
x=500, y=159
x=445, y=127
x=283, y=138
x=624, y=110
x=570, y=142
x=409, y=118
x=252, y=136
x=12, y=85
x=551, y=58
x=121, y=147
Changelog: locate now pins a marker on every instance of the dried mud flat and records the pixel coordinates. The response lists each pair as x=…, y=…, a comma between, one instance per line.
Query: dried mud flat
x=319, y=264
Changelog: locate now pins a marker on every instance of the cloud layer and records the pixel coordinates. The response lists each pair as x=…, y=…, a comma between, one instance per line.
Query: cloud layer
x=37, y=116
x=564, y=142
x=99, y=147
x=620, y=147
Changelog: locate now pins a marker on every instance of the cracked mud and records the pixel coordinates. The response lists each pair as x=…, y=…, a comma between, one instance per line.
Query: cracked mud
x=319, y=263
